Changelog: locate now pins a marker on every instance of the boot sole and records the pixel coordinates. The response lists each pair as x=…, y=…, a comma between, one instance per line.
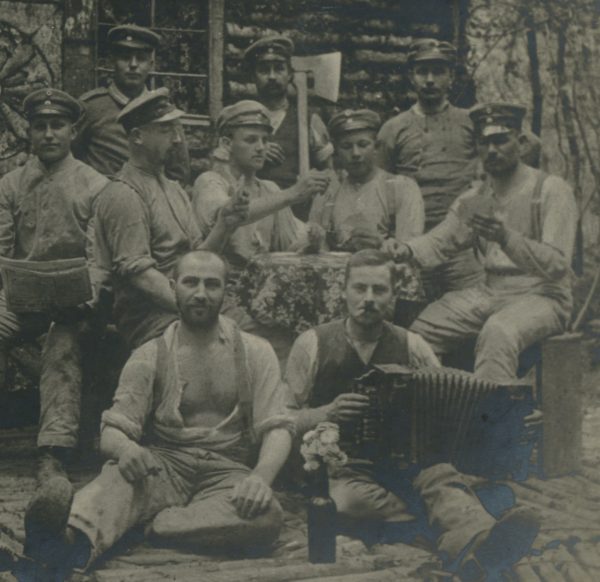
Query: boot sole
x=508, y=541
x=47, y=514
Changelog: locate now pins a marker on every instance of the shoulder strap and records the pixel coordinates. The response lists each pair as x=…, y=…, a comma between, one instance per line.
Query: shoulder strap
x=115, y=178
x=536, y=207
x=478, y=244
x=241, y=377
x=97, y=92
x=161, y=376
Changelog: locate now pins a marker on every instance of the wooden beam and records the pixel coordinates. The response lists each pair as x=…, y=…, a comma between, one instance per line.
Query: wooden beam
x=216, y=28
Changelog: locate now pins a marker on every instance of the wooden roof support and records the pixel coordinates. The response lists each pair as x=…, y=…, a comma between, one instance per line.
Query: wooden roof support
x=216, y=28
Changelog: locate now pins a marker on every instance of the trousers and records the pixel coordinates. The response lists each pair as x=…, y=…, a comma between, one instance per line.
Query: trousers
x=462, y=271
x=186, y=501
x=506, y=319
x=61, y=376
x=439, y=495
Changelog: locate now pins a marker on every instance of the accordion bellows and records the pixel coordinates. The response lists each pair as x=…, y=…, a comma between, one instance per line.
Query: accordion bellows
x=434, y=415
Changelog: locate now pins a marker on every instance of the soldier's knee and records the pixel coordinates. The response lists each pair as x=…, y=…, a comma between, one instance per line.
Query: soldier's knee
x=270, y=523
x=357, y=503
x=498, y=333
x=435, y=474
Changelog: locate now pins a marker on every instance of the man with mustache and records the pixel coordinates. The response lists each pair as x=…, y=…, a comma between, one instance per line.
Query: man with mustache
x=370, y=206
x=522, y=223
x=196, y=435
x=46, y=213
x=433, y=142
x=145, y=222
x=269, y=62
x=101, y=140
x=376, y=499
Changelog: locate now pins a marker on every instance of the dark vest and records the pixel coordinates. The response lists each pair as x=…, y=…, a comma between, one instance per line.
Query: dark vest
x=339, y=364
x=286, y=174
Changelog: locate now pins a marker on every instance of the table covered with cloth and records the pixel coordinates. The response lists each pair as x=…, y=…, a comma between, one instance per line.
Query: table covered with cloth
x=297, y=292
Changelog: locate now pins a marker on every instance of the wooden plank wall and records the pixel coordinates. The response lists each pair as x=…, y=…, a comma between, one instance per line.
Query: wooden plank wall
x=373, y=36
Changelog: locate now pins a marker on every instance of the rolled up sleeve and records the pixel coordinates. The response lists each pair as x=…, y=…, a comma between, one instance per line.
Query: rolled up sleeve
x=300, y=374
x=133, y=399
x=123, y=232
x=209, y=195
x=268, y=391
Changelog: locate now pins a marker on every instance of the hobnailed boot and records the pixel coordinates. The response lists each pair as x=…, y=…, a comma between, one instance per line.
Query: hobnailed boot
x=500, y=547
x=48, y=511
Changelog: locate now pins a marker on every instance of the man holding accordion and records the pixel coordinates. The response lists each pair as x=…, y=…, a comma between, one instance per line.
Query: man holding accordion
x=376, y=498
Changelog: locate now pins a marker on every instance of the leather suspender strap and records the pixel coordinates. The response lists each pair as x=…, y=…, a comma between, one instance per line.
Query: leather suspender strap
x=478, y=249
x=536, y=207
x=241, y=379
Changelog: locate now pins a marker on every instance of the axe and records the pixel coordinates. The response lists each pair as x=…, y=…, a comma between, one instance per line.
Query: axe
x=325, y=70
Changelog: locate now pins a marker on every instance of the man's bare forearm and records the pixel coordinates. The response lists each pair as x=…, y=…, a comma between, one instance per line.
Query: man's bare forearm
x=113, y=442
x=274, y=451
x=156, y=286
x=262, y=207
x=217, y=237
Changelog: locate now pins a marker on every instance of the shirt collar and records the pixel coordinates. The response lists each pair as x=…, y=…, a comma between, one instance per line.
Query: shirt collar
x=225, y=331
x=416, y=109
x=56, y=167
x=120, y=97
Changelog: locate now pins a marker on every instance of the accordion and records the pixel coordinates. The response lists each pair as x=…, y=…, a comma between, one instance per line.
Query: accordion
x=435, y=415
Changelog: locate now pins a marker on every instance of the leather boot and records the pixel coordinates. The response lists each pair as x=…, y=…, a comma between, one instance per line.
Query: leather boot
x=48, y=511
x=500, y=547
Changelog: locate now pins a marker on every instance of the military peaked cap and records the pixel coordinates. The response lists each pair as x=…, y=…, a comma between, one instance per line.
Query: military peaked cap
x=431, y=49
x=353, y=120
x=150, y=107
x=496, y=118
x=275, y=47
x=50, y=101
x=244, y=113
x=133, y=36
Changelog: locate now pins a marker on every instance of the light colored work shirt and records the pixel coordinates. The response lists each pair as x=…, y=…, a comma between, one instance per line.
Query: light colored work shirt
x=544, y=262
x=138, y=401
x=275, y=232
x=391, y=206
x=47, y=213
x=146, y=222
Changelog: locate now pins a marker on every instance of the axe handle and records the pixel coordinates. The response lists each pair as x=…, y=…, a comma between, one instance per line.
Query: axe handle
x=300, y=80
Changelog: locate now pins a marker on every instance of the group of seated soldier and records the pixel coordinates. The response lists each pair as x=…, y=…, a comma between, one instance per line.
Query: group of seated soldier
x=203, y=420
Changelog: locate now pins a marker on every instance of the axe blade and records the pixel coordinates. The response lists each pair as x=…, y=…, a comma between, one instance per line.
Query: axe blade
x=326, y=71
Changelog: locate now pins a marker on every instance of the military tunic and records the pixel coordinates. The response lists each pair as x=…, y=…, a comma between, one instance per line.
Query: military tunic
x=439, y=152
x=47, y=214
x=143, y=221
x=102, y=142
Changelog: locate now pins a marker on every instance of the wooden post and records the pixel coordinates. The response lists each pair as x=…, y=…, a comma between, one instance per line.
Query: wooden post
x=216, y=31
x=562, y=405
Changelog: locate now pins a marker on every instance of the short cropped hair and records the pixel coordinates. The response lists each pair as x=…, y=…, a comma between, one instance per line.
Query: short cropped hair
x=370, y=258
x=200, y=253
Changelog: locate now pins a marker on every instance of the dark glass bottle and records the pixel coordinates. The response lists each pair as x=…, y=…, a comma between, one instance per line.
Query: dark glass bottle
x=322, y=519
